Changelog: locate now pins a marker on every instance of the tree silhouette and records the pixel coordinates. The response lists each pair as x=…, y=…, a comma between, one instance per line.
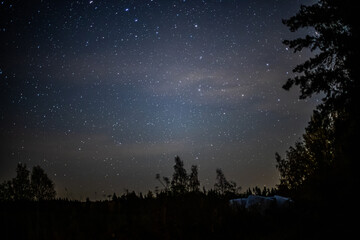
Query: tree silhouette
x=311, y=156
x=222, y=185
x=179, y=182
x=332, y=70
x=165, y=181
x=194, y=183
x=328, y=147
x=21, y=187
x=295, y=168
x=41, y=185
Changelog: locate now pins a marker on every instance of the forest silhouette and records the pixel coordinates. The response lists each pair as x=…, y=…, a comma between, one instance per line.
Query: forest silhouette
x=320, y=172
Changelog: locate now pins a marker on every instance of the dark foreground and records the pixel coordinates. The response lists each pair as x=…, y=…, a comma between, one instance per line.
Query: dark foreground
x=184, y=217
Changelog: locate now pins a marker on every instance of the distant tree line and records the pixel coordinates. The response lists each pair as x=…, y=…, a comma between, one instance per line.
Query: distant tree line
x=36, y=186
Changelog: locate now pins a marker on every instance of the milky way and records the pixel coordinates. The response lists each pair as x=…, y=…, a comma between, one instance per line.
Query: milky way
x=104, y=94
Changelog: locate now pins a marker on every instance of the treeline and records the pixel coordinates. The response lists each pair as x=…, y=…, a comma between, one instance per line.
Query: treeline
x=37, y=186
x=180, y=210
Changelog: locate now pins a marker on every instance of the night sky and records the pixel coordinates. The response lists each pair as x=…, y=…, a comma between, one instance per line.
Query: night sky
x=104, y=94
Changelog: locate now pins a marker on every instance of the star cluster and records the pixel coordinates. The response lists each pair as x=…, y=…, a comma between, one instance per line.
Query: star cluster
x=104, y=94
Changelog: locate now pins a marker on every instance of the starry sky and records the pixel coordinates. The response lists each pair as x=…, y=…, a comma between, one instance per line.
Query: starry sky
x=103, y=94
